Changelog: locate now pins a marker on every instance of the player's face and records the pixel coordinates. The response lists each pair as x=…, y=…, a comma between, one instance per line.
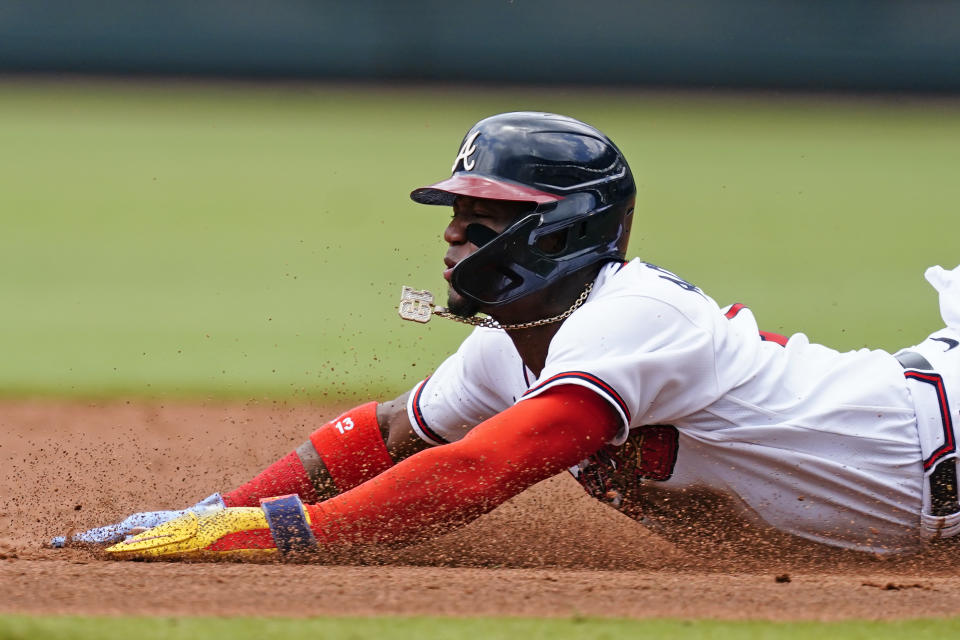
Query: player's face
x=497, y=215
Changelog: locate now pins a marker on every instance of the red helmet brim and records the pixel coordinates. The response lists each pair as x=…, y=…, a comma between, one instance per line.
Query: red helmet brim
x=477, y=186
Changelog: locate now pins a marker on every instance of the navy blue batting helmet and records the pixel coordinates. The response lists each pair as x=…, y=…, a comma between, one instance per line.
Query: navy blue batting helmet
x=581, y=193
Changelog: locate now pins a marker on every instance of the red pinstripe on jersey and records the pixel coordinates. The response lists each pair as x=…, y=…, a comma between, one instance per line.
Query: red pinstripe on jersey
x=734, y=310
x=591, y=379
x=418, y=415
x=949, y=445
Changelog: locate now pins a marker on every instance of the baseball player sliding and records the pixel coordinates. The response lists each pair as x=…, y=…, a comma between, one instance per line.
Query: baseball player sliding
x=624, y=373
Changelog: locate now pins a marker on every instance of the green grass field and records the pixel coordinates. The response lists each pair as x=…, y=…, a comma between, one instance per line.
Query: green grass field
x=237, y=241
x=24, y=628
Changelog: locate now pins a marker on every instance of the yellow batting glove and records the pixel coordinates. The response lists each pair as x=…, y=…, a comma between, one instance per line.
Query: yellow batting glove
x=278, y=526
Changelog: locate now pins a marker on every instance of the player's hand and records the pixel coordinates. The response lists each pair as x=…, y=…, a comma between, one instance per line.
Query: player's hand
x=137, y=523
x=278, y=525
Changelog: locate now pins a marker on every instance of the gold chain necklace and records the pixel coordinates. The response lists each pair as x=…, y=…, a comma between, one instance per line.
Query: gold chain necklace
x=418, y=306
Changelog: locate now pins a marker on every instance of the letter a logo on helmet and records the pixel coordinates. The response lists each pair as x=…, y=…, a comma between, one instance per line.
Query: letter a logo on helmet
x=466, y=150
x=581, y=195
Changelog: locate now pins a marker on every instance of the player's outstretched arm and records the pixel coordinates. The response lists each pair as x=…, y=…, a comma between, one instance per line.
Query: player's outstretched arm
x=426, y=494
x=339, y=455
x=445, y=487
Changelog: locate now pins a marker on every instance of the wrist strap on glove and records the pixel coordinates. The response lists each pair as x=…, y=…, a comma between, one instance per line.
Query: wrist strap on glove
x=288, y=523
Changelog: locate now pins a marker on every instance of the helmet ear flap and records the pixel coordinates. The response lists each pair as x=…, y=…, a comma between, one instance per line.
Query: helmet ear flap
x=577, y=230
x=553, y=244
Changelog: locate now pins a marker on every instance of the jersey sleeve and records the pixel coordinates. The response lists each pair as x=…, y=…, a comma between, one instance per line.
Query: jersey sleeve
x=484, y=377
x=652, y=361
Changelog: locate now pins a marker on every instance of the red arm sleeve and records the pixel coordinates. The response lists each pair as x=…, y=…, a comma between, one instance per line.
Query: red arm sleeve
x=453, y=484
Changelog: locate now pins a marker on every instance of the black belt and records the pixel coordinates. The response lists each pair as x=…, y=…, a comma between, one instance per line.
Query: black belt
x=943, y=480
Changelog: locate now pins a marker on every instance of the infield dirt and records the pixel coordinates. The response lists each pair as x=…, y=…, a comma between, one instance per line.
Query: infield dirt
x=549, y=552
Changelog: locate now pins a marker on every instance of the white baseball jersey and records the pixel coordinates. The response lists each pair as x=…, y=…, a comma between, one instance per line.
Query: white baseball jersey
x=814, y=442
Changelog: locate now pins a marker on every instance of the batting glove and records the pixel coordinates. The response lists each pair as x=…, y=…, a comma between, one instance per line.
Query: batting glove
x=278, y=527
x=137, y=523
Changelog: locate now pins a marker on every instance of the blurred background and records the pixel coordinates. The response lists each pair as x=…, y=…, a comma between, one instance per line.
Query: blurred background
x=209, y=199
x=836, y=44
